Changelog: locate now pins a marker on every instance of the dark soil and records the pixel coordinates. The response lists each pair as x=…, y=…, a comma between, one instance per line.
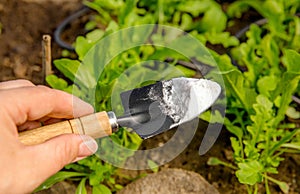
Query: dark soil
x=24, y=23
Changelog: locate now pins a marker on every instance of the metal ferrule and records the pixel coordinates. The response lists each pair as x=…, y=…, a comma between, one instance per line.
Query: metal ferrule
x=113, y=121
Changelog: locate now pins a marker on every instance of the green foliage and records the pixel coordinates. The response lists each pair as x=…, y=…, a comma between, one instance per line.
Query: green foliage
x=258, y=89
x=60, y=176
x=101, y=175
x=282, y=24
x=258, y=106
x=101, y=189
x=205, y=18
x=259, y=98
x=81, y=187
x=250, y=172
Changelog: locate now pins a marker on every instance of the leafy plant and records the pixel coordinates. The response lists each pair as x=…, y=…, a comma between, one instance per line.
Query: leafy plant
x=256, y=120
x=282, y=23
x=203, y=19
x=260, y=95
x=259, y=88
x=101, y=175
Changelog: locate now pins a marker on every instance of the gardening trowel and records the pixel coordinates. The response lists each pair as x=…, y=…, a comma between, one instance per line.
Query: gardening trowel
x=148, y=110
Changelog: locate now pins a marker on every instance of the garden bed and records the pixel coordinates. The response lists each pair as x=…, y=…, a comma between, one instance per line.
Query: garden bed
x=20, y=57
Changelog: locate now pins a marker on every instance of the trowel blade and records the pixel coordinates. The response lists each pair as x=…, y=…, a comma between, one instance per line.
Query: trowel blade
x=153, y=109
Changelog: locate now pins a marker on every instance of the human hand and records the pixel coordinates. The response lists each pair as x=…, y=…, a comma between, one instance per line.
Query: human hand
x=24, y=106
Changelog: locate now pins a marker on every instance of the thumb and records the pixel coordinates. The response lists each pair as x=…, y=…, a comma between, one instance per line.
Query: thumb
x=49, y=157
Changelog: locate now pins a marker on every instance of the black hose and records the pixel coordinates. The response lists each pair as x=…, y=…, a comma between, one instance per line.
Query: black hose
x=240, y=33
x=260, y=22
x=63, y=25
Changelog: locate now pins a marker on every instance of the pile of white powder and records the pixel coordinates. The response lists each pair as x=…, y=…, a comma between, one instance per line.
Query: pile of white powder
x=186, y=98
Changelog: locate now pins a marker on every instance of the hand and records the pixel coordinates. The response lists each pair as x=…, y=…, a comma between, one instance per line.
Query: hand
x=23, y=106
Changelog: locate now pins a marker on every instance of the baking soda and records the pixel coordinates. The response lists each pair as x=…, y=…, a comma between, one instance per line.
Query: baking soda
x=186, y=98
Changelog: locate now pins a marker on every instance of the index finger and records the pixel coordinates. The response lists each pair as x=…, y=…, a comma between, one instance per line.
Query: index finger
x=15, y=84
x=32, y=103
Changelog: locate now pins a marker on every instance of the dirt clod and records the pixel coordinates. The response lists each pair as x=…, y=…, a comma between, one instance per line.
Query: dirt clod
x=175, y=181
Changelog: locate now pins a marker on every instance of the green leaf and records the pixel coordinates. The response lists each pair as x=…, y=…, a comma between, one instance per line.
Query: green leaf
x=84, y=44
x=267, y=8
x=295, y=41
x=112, y=26
x=238, y=131
x=194, y=7
x=266, y=84
x=292, y=113
x=235, y=83
x=270, y=50
x=250, y=172
x=126, y=11
x=90, y=25
x=58, y=177
x=291, y=60
x=94, y=35
x=214, y=19
x=186, y=71
x=212, y=117
x=213, y=161
x=101, y=189
x=76, y=72
x=264, y=103
x=186, y=22
x=100, y=7
x=81, y=187
x=77, y=167
x=286, y=88
x=237, y=148
x=57, y=83
x=68, y=67
x=223, y=38
x=285, y=139
x=152, y=165
x=282, y=185
x=118, y=186
x=292, y=145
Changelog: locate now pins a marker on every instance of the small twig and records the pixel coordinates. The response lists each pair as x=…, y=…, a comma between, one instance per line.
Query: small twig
x=46, y=60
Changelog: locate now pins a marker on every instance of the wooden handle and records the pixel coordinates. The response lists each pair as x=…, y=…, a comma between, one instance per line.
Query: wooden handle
x=95, y=125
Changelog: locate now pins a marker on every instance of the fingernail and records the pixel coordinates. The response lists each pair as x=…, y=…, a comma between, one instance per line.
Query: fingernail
x=88, y=146
x=81, y=108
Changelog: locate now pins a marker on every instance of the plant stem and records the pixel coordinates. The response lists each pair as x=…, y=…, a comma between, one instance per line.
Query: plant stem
x=160, y=11
x=256, y=188
x=267, y=184
x=249, y=189
x=283, y=185
x=240, y=121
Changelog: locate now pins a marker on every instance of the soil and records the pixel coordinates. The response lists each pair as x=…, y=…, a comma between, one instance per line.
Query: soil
x=23, y=25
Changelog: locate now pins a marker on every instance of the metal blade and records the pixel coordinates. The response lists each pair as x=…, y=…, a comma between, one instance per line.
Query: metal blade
x=155, y=108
